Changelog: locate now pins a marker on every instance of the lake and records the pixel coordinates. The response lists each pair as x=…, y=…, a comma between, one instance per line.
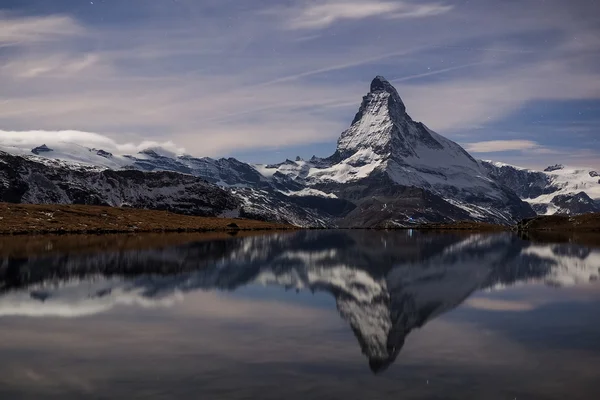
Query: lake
x=346, y=314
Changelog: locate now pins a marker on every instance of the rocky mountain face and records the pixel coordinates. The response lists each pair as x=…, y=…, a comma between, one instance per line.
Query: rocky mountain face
x=396, y=170
x=387, y=170
x=556, y=190
x=385, y=284
x=38, y=180
x=26, y=181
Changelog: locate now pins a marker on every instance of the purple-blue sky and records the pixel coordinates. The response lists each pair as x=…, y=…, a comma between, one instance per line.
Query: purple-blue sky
x=515, y=81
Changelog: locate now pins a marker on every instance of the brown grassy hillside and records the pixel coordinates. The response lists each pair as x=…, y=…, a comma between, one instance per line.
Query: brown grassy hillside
x=36, y=219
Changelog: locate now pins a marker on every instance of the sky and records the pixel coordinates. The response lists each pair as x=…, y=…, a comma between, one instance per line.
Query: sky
x=263, y=80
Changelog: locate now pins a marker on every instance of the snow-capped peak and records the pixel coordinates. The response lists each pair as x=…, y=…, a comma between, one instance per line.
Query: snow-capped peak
x=375, y=124
x=555, y=167
x=380, y=84
x=558, y=189
x=383, y=127
x=385, y=146
x=387, y=169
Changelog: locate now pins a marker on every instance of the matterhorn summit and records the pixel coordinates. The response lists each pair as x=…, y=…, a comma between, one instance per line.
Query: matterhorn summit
x=401, y=170
x=374, y=125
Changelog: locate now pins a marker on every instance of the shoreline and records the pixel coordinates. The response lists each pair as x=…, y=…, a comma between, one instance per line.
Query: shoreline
x=58, y=219
x=53, y=219
x=47, y=244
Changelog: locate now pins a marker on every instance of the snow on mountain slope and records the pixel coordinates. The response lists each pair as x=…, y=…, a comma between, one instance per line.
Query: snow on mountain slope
x=571, y=181
x=568, y=267
x=384, y=140
x=225, y=172
x=387, y=170
x=24, y=180
x=258, y=198
x=278, y=207
x=383, y=137
x=71, y=153
x=556, y=190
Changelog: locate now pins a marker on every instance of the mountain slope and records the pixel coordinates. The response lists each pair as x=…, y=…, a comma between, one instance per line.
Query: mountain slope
x=24, y=180
x=556, y=190
x=387, y=170
x=385, y=148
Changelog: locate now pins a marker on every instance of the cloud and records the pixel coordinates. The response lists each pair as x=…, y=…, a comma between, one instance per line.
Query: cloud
x=55, y=65
x=318, y=15
x=236, y=81
x=19, y=30
x=570, y=156
x=493, y=146
x=24, y=141
x=481, y=98
x=481, y=303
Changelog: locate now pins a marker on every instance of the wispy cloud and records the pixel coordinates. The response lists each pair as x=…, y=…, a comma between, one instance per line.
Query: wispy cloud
x=55, y=65
x=236, y=81
x=436, y=72
x=494, y=146
x=18, y=30
x=482, y=303
x=318, y=15
x=479, y=99
x=24, y=141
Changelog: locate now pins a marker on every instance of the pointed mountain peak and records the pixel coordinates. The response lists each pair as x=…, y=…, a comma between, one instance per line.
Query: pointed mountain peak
x=376, y=123
x=382, y=99
x=380, y=83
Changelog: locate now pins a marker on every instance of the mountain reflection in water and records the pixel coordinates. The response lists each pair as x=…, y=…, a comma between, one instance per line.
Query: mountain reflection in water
x=385, y=284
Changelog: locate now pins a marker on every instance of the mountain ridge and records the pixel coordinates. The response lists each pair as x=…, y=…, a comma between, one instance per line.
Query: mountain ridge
x=384, y=144
x=558, y=189
x=387, y=170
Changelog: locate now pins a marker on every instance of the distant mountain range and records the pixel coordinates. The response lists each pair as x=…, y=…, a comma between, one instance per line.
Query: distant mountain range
x=387, y=171
x=556, y=190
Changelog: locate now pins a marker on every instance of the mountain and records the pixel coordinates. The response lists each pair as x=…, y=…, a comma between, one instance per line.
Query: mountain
x=26, y=179
x=385, y=284
x=53, y=182
x=387, y=170
x=395, y=169
x=556, y=190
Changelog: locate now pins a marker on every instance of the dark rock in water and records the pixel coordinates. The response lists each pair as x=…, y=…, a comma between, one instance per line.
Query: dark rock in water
x=594, y=174
x=41, y=149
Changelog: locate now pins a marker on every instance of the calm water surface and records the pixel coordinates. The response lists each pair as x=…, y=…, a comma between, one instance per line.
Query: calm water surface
x=307, y=315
